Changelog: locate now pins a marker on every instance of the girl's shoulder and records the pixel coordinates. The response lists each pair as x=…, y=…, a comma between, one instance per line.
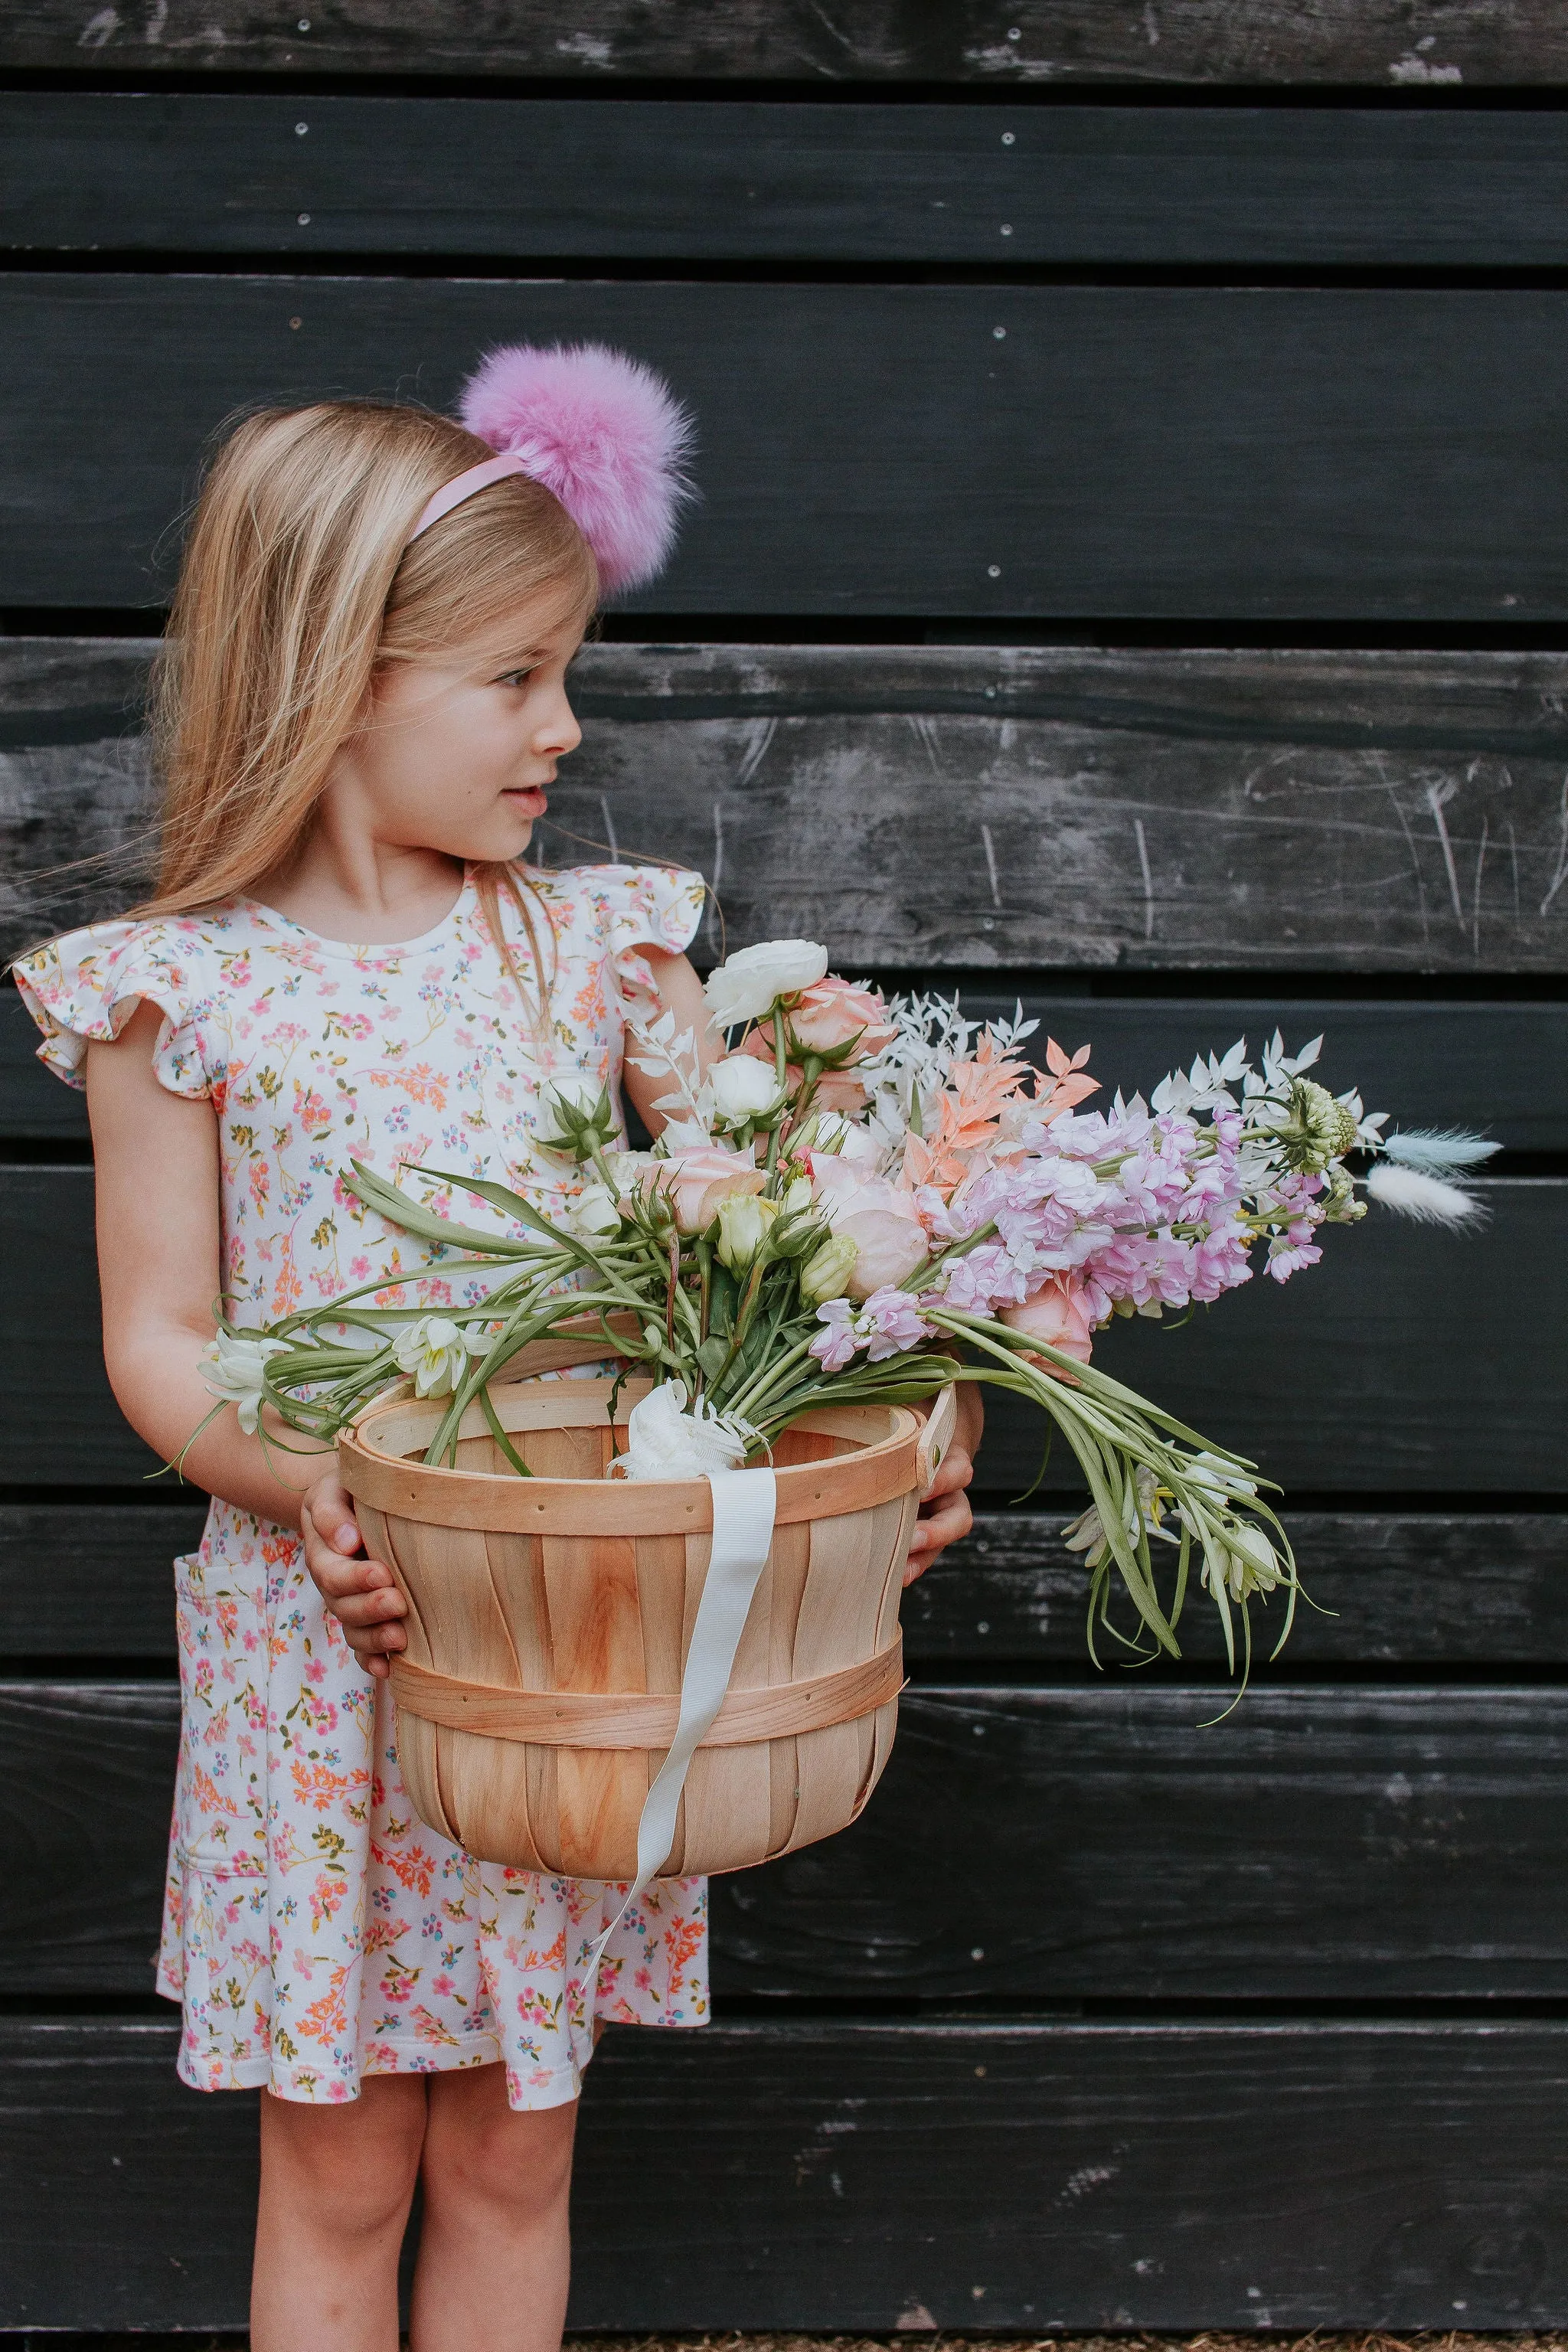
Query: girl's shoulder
x=86, y=985
x=627, y=907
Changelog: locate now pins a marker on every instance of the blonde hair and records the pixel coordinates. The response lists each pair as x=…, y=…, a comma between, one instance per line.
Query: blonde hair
x=297, y=589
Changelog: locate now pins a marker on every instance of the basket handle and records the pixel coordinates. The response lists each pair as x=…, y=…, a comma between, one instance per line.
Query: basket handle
x=935, y=1439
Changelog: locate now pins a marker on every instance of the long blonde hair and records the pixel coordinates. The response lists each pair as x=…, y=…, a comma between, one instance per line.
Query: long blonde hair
x=297, y=588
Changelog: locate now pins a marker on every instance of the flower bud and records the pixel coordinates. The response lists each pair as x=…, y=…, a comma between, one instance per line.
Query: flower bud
x=827, y=1273
x=743, y=1221
x=577, y=1116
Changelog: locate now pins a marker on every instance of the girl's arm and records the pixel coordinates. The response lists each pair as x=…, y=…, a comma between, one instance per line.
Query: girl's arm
x=158, y=1261
x=681, y=993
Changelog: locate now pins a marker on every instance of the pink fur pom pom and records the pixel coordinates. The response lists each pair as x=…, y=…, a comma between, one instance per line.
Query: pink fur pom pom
x=601, y=431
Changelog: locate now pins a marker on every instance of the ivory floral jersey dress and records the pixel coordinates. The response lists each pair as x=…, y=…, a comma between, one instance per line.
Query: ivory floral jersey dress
x=315, y=1929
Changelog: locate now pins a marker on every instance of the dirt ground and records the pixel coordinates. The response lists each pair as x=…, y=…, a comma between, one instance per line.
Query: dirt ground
x=1446, y=2340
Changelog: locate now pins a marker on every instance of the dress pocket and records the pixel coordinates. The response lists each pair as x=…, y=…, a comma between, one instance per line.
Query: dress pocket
x=220, y=1812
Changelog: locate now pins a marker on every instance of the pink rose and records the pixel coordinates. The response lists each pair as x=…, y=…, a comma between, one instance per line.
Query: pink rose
x=834, y=1012
x=1057, y=1315
x=698, y=1179
x=888, y=1248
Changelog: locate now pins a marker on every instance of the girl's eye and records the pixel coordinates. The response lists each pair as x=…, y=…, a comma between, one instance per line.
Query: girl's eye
x=514, y=677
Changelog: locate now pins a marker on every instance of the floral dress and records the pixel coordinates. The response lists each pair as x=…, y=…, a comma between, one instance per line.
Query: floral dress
x=315, y=1929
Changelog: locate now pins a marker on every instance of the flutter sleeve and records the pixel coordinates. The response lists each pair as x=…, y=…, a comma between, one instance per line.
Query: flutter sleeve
x=86, y=985
x=645, y=907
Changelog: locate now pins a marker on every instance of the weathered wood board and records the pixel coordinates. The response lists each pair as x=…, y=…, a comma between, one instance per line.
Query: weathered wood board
x=1265, y=454
x=1390, y=1370
x=1101, y=1841
x=758, y=181
x=852, y=2176
x=942, y=808
x=1422, y=46
x=1411, y=1590
x=92, y=1581
x=1501, y=1068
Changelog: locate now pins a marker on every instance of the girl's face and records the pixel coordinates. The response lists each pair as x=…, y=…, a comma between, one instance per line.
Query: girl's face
x=459, y=753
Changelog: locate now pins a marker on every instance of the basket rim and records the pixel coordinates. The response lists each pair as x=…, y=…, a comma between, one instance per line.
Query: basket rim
x=439, y=1495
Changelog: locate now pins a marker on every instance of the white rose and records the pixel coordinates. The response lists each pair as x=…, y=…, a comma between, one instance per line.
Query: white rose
x=434, y=1351
x=595, y=1213
x=232, y=1368
x=664, y=1440
x=750, y=983
x=740, y=1087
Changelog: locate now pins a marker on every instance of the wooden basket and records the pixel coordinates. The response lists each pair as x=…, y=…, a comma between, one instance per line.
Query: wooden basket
x=549, y=1618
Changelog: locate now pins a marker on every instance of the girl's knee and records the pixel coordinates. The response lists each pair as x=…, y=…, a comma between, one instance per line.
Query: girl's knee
x=482, y=2150
x=350, y=2168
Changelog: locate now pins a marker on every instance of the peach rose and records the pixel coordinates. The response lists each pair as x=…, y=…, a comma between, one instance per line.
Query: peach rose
x=1054, y=1314
x=698, y=1179
x=834, y=1012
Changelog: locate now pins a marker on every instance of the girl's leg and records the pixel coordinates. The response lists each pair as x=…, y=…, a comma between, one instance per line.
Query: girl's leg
x=336, y=2185
x=494, y=2245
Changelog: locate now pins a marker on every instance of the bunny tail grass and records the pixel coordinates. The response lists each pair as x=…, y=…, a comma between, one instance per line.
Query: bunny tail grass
x=1430, y=1201
x=1440, y=1152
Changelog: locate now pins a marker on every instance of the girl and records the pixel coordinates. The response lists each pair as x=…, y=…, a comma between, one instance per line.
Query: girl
x=361, y=705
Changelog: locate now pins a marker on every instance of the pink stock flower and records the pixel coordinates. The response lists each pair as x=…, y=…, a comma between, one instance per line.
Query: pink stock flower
x=982, y=1280
x=886, y=1324
x=1056, y=1315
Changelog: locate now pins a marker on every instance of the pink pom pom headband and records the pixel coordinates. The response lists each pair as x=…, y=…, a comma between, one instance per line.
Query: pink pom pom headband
x=599, y=430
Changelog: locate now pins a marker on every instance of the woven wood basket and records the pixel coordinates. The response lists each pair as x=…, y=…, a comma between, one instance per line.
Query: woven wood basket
x=549, y=1617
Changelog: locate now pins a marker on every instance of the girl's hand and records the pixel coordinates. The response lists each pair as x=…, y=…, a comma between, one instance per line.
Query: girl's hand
x=945, y=1514
x=361, y=1593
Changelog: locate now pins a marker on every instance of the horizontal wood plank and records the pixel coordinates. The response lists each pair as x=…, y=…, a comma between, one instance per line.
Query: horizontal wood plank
x=1500, y=1068
x=86, y=1772
x=753, y=181
x=1411, y=1361
x=1322, y=1843
x=1398, y=1589
x=1401, y=43
x=1408, y=1589
x=848, y=2176
x=87, y=1579
x=945, y=809
x=1167, y=452
x=1116, y=1843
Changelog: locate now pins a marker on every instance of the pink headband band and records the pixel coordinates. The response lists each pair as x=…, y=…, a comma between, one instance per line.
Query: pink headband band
x=463, y=485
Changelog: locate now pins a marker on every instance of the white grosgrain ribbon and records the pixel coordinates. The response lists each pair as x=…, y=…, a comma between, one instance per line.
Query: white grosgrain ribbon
x=744, y=1503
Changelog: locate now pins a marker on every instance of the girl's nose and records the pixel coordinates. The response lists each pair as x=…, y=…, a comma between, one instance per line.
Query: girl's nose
x=560, y=733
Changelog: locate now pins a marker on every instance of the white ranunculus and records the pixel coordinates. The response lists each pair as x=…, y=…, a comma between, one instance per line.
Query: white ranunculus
x=667, y=1440
x=231, y=1369
x=740, y=1087
x=434, y=1350
x=751, y=981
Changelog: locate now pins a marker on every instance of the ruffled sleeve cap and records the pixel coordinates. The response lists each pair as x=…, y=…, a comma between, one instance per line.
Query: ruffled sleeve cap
x=86, y=986
x=643, y=906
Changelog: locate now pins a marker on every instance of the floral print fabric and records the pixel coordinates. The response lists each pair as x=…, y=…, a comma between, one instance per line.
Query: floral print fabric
x=315, y=1929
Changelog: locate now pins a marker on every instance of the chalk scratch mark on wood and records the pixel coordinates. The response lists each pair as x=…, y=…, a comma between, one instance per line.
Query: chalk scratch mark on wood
x=1513, y=853
x=610, y=829
x=1475, y=896
x=1389, y=788
x=1436, y=796
x=1561, y=874
x=1148, y=879
x=713, y=928
x=991, y=865
x=756, y=751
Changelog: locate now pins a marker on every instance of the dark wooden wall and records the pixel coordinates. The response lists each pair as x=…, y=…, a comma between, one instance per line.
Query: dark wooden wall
x=1132, y=573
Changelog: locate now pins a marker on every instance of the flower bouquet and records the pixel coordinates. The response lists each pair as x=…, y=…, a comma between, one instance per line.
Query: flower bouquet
x=859, y=1205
